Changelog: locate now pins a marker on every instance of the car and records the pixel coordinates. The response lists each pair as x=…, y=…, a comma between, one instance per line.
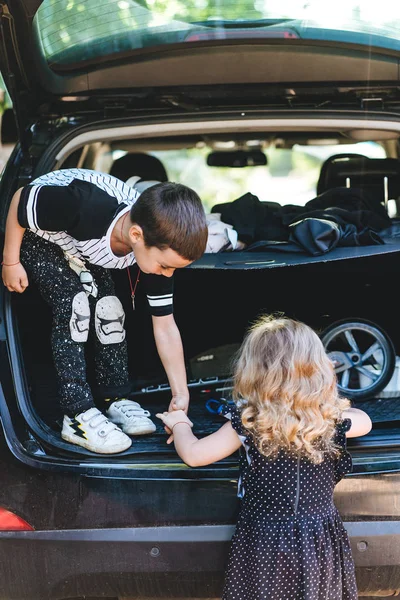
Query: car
x=273, y=107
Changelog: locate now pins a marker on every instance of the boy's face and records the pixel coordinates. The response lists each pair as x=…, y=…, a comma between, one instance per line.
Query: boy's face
x=158, y=262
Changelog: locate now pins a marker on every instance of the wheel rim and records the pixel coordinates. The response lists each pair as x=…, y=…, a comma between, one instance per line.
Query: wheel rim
x=361, y=354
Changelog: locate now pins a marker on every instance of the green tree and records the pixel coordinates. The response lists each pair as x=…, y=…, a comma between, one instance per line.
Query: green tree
x=5, y=100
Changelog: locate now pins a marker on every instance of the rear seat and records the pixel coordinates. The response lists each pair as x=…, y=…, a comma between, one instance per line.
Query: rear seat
x=379, y=177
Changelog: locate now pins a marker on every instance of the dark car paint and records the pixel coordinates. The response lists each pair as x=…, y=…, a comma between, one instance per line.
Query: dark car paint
x=143, y=534
x=159, y=537
x=113, y=529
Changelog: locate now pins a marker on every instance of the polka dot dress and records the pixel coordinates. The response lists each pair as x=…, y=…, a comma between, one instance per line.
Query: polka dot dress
x=290, y=542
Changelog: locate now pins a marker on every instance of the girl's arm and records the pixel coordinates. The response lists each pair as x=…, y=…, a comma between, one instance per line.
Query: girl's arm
x=195, y=452
x=361, y=424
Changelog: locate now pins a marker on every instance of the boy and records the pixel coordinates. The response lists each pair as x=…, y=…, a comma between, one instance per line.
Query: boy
x=67, y=229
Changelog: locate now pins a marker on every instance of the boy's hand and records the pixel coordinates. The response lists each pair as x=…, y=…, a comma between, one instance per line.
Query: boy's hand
x=172, y=418
x=15, y=278
x=179, y=402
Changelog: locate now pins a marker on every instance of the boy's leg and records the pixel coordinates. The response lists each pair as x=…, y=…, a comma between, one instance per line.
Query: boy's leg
x=60, y=287
x=111, y=359
x=108, y=334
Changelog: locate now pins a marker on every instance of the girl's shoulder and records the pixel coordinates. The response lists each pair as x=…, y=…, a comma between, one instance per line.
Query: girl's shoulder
x=342, y=461
x=232, y=412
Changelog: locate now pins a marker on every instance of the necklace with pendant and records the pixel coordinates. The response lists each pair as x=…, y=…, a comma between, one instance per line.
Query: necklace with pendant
x=133, y=288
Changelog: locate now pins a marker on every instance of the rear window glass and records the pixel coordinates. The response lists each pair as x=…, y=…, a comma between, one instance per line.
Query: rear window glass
x=72, y=31
x=290, y=176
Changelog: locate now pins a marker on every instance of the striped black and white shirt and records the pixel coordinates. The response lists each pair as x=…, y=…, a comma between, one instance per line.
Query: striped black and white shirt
x=77, y=209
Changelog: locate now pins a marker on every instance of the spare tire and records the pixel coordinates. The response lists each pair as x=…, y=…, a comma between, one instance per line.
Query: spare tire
x=363, y=354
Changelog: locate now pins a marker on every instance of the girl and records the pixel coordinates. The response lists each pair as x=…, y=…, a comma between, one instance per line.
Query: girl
x=291, y=426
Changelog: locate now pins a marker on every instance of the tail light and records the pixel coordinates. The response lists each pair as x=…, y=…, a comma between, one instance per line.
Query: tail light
x=12, y=522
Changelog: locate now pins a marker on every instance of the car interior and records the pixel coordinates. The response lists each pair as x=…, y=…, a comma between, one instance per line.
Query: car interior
x=345, y=290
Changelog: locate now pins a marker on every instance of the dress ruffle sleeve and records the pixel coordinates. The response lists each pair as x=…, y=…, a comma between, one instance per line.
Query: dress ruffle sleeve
x=344, y=463
x=232, y=413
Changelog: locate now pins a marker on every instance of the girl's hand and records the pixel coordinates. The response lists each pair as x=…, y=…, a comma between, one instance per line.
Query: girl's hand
x=361, y=423
x=172, y=418
x=15, y=278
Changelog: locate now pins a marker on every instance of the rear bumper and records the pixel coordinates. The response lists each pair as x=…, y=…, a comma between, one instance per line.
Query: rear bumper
x=165, y=561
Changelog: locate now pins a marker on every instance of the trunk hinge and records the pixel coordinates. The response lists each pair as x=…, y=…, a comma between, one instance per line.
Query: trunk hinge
x=25, y=171
x=40, y=136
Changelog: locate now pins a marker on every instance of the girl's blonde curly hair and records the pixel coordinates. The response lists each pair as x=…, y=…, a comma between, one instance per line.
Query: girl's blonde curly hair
x=288, y=385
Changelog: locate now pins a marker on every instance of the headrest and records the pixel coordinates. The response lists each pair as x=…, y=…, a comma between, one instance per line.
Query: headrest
x=361, y=172
x=145, y=166
x=140, y=184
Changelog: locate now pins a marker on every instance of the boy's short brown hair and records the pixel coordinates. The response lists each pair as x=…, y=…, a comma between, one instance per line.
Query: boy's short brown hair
x=171, y=215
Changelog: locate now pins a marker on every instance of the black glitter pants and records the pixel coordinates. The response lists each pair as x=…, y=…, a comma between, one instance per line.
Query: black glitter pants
x=77, y=316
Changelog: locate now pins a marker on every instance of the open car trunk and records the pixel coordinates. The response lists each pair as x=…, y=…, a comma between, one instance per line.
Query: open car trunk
x=215, y=301
x=218, y=296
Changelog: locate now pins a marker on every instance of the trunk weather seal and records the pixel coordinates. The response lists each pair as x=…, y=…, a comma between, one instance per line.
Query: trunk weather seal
x=90, y=463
